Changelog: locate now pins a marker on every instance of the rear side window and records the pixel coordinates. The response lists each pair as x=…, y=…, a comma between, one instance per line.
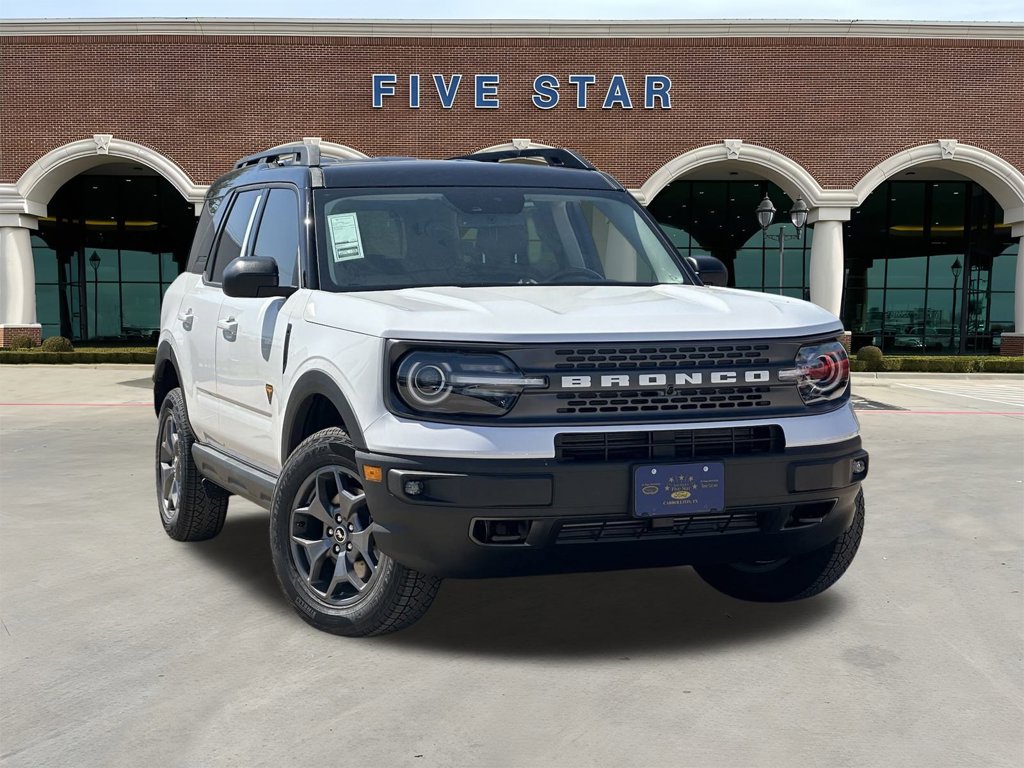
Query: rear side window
x=278, y=235
x=236, y=232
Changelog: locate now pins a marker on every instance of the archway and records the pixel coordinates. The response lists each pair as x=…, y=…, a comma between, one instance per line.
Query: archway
x=113, y=221
x=327, y=148
x=932, y=252
x=705, y=201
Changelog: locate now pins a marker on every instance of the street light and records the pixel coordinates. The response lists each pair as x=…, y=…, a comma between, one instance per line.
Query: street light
x=955, y=268
x=766, y=215
x=94, y=262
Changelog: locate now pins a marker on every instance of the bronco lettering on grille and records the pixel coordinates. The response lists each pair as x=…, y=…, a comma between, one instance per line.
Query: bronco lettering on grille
x=638, y=380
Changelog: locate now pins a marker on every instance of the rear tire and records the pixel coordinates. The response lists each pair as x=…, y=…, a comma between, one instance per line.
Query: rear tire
x=794, y=578
x=323, y=547
x=191, y=508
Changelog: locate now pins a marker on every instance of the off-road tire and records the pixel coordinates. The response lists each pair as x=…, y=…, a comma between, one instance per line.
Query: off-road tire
x=198, y=510
x=795, y=578
x=395, y=598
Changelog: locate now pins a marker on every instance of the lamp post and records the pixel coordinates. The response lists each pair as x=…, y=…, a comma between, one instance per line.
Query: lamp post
x=766, y=215
x=94, y=262
x=955, y=268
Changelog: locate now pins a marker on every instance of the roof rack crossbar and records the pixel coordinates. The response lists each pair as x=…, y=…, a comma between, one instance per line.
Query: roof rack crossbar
x=553, y=156
x=306, y=153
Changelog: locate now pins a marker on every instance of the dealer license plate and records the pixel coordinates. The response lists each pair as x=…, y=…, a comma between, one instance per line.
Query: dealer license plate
x=664, y=490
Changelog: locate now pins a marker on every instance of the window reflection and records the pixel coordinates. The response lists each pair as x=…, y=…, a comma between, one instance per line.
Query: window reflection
x=924, y=263
x=106, y=253
x=717, y=218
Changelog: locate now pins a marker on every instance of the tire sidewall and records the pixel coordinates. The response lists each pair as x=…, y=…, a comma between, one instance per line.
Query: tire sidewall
x=174, y=403
x=321, y=450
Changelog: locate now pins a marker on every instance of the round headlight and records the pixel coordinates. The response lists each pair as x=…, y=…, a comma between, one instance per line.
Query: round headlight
x=429, y=383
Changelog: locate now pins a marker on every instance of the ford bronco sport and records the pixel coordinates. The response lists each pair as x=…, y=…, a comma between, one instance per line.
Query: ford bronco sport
x=474, y=367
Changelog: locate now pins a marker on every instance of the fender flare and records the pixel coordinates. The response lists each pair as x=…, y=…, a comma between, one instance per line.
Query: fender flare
x=317, y=383
x=164, y=356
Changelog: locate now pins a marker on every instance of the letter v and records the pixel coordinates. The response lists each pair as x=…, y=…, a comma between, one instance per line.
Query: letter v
x=446, y=93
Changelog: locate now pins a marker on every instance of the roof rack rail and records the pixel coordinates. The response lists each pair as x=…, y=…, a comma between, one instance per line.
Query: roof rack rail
x=305, y=153
x=553, y=156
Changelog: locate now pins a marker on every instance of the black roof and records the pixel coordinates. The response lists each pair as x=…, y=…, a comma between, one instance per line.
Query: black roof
x=553, y=167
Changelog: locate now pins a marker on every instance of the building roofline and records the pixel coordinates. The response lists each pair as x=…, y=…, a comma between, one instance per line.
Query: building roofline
x=513, y=28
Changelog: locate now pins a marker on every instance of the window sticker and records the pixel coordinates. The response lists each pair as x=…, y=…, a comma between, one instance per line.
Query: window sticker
x=346, y=243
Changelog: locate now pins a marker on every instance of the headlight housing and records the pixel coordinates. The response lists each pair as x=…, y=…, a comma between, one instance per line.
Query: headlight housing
x=460, y=383
x=822, y=372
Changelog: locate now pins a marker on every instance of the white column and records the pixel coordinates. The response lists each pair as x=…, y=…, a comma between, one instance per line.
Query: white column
x=17, y=277
x=827, y=257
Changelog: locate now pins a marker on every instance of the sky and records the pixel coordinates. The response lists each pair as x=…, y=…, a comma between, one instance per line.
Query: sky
x=906, y=10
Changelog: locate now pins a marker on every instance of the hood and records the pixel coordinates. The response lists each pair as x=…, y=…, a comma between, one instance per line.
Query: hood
x=538, y=313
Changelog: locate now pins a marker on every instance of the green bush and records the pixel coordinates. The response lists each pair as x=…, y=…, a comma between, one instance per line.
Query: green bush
x=869, y=354
x=19, y=357
x=22, y=342
x=941, y=364
x=57, y=344
x=1003, y=365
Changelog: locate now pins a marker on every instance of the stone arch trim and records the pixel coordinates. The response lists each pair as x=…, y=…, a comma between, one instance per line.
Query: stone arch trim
x=772, y=165
x=329, y=148
x=45, y=176
x=999, y=178
x=513, y=144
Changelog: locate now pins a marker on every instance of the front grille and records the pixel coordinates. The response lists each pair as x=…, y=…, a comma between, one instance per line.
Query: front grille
x=637, y=530
x=649, y=357
x=661, y=400
x=669, y=444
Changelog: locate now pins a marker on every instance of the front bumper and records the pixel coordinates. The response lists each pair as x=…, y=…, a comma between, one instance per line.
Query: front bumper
x=493, y=517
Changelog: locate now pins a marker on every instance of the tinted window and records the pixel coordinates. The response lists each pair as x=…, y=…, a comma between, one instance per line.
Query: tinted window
x=278, y=236
x=236, y=228
x=372, y=239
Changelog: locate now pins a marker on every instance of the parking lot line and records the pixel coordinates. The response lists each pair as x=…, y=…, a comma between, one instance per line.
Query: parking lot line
x=1008, y=391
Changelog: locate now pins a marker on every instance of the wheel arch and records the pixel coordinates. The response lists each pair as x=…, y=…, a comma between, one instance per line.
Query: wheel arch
x=312, y=393
x=165, y=374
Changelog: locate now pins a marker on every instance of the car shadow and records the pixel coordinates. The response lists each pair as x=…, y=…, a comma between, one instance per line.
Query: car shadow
x=242, y=552
x=565, y=617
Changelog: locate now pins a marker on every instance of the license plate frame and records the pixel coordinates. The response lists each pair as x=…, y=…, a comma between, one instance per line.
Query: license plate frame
x=678, y=490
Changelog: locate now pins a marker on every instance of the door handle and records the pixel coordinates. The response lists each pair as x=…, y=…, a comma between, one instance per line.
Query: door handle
x=230, y=327
x=186, y=319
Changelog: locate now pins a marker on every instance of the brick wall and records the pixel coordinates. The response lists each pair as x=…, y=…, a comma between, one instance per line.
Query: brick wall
x=836, y=105
x=8, y=333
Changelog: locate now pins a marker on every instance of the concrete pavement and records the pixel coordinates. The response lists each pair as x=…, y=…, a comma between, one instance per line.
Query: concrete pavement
x=120, y=647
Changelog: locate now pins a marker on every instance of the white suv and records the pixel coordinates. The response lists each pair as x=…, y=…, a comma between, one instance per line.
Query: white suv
x=474, y=367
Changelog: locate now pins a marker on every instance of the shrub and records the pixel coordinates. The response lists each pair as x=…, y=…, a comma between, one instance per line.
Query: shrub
x=869, y=354
x=57, y=344
x=22, y=342
x=1003, y=365
x=890, y=364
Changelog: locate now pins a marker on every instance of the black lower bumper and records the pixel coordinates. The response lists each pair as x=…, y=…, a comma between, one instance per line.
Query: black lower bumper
x=481, y=517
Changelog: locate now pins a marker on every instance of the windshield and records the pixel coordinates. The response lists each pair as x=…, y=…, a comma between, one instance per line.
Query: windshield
x=464, y=236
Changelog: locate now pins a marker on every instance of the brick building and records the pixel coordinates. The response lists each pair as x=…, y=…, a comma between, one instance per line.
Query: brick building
x=905, y=140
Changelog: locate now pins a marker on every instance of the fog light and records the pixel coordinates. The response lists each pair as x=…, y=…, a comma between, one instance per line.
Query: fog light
x=859, y=467
x=413, y=487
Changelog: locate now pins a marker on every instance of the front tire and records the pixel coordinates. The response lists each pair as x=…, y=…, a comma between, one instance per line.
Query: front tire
x=323, y=547
x=191, y=508
x=794, y=578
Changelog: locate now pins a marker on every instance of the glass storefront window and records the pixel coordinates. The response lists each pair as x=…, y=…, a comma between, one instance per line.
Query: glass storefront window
x=717, y=218
x=106, y=253
x=925, y=260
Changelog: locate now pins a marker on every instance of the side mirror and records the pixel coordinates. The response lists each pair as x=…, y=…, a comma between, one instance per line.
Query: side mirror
x=253, y=277
x=710, y=270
